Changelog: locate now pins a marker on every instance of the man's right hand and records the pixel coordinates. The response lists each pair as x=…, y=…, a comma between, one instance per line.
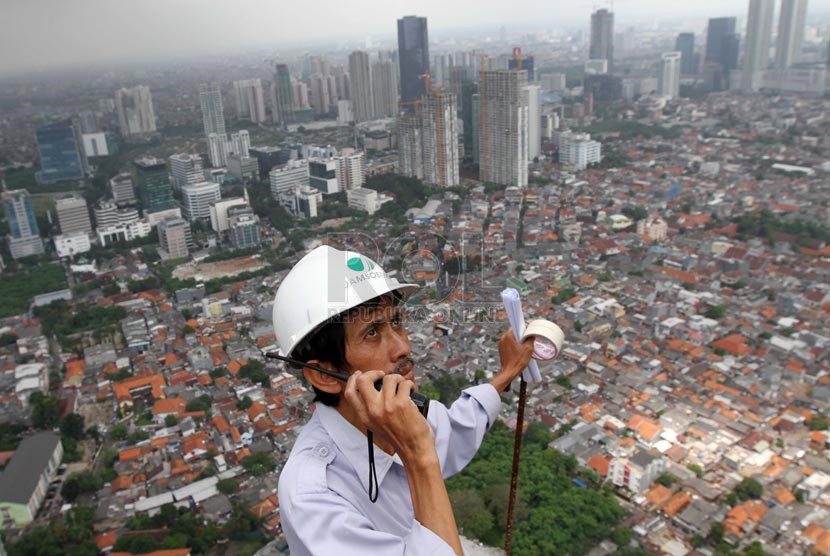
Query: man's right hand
x=391, y=414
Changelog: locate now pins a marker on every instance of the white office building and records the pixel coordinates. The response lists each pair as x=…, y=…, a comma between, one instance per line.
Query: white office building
x=67, y=245
x=322, y=175
x=240, y=143
x=351, y=168
x=219, y=212
x=122, y=190
x=670, y=74
x=363, y=199
x=218, y=150
x=73, y=214
x=577, y=150
x=301, y=201
x=534, y=122
x=185, y=169
x=197, y=198
x=175, y=238
x=287, y=177
x=95, y=144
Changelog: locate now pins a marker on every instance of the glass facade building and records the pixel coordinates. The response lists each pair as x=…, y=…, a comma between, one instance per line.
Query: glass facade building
x=154, y=186
x=61, y=157
x=413, y=54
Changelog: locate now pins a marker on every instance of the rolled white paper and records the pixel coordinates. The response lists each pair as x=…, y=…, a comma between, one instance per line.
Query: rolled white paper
x=513, y=308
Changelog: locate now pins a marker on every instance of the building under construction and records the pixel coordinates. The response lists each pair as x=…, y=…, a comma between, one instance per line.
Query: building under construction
x=503, y=114
x=428, y=139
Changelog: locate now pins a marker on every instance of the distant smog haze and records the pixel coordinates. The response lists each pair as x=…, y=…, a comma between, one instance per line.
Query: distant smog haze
x=41, y=34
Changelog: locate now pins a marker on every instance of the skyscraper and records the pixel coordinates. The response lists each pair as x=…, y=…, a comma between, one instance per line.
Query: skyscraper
x=361, y=83
x=153, y=182
x=213, y=114
x=135, y=111
x=175, y=238
x=218, y=149
x=73, y=214
x=250, y=100
x=351, y=166
x=282, y=106
x=602, y=37
x=790, y=33
x=197, y=198
x=503, y=110
x=756, y=52
x=685, y=44
x=320, y=99
x=411, y=144
x=413, y=56
x=61, y=156
x=670, y=74
x=440, y=138
x=240, y=143
x=122, y=190
x=185, y=169
x=722, y=47
x=534, y=121
x=384, y=89
x=24, y=235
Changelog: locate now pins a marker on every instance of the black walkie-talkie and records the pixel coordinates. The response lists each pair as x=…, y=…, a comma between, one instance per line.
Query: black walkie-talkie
x=420, y=401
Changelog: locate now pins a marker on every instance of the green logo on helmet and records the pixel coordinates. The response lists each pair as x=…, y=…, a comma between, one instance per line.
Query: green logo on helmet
x=357, y=264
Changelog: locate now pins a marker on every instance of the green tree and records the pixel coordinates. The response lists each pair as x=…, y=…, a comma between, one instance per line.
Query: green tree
x=667, y=480
x=79, y=483
x=245, y=403
x=696, y=469
x=621, y=536
x=171, y=420
x=72, y=426
x=755, y=549
x=749, y=488
x=716, y=532
x=45, y=414
x=227, y=486
x=716, y=312
x=818, y=423
x=140, y=544
x=428, y=390
x=258, y=464
x=472, y=516
x=118, y=431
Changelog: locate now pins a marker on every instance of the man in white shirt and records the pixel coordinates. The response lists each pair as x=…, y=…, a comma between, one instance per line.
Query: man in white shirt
x=339, y=310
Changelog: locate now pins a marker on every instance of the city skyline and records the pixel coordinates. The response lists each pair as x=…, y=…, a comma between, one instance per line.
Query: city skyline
x=87, y=24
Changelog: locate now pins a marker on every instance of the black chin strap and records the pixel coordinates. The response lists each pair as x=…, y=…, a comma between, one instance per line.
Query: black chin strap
x=374, y=487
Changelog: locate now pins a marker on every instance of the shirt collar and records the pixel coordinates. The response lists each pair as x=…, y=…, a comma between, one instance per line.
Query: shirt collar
x=352, y=443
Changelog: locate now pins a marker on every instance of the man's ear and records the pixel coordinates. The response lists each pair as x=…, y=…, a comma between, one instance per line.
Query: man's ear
x=323, y=382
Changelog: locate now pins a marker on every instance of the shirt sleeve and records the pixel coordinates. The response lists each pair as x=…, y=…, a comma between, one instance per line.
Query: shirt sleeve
x=460, y=429
x=325, y=523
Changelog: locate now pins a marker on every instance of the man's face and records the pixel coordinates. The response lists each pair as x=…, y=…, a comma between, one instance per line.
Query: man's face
x=376, y=340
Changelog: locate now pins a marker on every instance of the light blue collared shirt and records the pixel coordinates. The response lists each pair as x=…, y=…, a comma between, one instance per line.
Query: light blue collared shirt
x=324, y=487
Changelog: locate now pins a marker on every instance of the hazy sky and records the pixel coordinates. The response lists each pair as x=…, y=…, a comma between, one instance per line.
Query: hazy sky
x=48, y=33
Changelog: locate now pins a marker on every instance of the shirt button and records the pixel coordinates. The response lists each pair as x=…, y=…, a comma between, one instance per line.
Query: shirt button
x=323, y=451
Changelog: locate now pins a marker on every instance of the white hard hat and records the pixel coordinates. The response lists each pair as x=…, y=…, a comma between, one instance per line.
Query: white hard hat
x=323, y=284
